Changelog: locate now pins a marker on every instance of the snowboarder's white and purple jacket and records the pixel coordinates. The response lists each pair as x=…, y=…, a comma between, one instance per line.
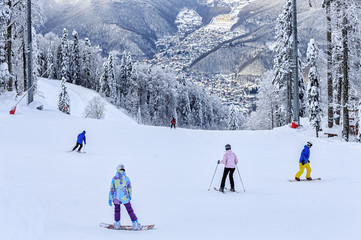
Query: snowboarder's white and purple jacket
x=120, y=188
x=229, y=159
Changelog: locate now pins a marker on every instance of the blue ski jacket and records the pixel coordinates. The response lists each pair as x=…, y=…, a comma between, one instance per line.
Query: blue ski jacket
x=81, y=137
x=305, y=154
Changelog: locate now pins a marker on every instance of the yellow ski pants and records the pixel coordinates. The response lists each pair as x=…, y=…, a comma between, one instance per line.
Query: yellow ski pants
x=302, y=169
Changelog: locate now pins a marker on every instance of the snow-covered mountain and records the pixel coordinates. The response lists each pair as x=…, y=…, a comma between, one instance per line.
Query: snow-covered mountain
x=138, y=25
x=224, y=45
x=118, y=25
x=49, y=193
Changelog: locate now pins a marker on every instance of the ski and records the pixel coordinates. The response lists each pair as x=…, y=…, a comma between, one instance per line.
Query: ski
x=225, y=189
x=313, y=179
x=230, y=190
x=217, y=189
x=127, y=227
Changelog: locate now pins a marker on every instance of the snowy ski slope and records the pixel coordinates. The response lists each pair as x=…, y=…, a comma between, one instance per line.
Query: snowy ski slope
x=47, y=193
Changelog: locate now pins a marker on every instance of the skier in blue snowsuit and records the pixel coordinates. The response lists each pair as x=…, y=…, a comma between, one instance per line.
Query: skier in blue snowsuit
x=79, y=142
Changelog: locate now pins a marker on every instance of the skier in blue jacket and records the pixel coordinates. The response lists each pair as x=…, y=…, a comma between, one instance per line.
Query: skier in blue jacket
x=304, y=162
x=79, y=142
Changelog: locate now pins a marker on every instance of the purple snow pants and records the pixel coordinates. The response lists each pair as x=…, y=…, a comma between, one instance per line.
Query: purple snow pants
x=129, y=208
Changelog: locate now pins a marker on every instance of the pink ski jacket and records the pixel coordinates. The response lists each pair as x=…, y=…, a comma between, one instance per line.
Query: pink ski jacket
x=229, y=159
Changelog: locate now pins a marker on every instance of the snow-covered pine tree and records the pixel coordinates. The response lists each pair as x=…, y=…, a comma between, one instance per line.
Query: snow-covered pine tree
x=75, y=59
x=233, y=118
x=153, y=97
x=104, y=81
x=207, y=110
x=128, y=71
x=183, y=108
x=50, y=71
x=196, y=106
x=143, y=79
x=282, y=65
x=121, y=85
x=301, y=90
x=313, y=87
x=132, y=97
x=87, y=65
x=58, y=60
x=64, y=100
x=111, y=76
x=64, y=48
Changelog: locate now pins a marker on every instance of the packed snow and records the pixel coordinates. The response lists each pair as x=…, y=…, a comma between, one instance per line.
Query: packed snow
x=48, y=193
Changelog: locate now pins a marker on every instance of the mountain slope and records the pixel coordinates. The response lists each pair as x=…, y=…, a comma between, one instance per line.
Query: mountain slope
x=258, y=20
x=119, y=25
x=49, y=193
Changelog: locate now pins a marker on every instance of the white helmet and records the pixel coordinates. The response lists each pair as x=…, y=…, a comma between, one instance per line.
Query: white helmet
x=120, y=167
x=309, y=143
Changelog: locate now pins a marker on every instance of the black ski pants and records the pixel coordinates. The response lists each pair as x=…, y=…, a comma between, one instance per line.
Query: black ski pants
x=225, y=173
x=78, y=144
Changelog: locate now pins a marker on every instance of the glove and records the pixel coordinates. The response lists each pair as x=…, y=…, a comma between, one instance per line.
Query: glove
x=308, y=161
x=219, y=161
x=303, y=162
x=110, y=202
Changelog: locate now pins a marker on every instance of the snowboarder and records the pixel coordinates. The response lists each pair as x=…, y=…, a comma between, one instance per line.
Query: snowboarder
x=229, y=160
x=121, y=193
x=172, y=123
x=79, y=141
x=304, y=162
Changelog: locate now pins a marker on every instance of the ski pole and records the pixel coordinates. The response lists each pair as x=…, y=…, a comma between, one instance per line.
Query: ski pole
x=240, y=178
x=213, y=177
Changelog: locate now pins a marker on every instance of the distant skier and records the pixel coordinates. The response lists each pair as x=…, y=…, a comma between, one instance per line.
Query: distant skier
x=229, y=160
x=304, y=162
x=121, y=193
x=173, y=121
x=79, y=141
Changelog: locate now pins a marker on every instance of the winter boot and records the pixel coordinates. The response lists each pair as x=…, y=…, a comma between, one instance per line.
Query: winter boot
x=117, y=225
x=309, y=178
x=136, y=225
x=232, y=190
x=297, y=179
x=221, y=189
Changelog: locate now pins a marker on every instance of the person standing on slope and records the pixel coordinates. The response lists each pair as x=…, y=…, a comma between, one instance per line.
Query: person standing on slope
x=172, y=123
x=121, y=193
x=304, y=162
x=229, y=160
x=79, y=141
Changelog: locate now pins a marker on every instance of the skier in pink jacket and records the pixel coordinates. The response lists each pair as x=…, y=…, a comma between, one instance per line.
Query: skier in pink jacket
x=229, y=160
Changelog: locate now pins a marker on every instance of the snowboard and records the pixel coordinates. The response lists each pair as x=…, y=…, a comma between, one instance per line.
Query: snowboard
x=313, y=179
x=127, y=227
